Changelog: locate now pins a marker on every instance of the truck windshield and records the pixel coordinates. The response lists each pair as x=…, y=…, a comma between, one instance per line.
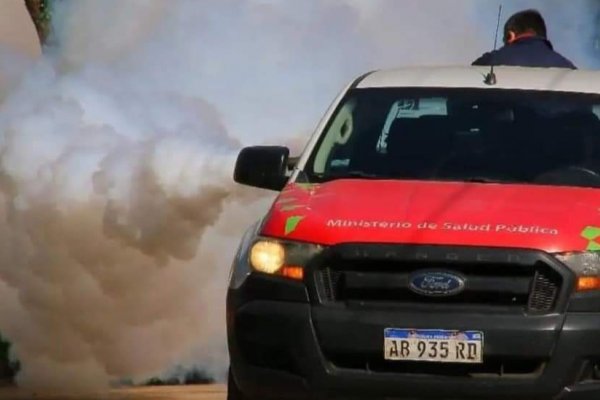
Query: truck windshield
x=471, y=135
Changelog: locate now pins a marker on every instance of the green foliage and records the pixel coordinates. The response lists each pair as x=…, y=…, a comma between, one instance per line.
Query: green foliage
x=41, y=14
x=193, y=376
x=8, y=368
x=197, y=377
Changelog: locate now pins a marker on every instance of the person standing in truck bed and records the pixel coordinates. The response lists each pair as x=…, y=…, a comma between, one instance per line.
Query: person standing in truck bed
x=526, y=44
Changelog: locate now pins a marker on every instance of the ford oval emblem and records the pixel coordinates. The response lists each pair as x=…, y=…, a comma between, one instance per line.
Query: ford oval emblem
x=437, y=283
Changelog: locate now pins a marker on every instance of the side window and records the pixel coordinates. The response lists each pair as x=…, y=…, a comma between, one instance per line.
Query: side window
x=597, y=109
x=338, y=134
x=410, y=108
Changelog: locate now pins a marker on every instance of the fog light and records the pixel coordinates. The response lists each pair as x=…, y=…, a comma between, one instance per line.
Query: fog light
x=267, y=257
x=585, y=283
x=586, y=266
x=296, y=273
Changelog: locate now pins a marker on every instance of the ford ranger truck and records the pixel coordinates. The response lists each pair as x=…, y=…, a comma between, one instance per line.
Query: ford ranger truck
x=438, y=238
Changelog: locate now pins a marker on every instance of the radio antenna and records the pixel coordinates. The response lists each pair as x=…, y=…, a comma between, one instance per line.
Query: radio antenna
x=490, y=79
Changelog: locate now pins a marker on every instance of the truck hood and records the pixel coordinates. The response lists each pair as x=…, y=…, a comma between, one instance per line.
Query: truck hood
x=548, y=218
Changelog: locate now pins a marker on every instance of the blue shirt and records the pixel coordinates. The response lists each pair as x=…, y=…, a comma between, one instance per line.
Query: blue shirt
x=526, y=52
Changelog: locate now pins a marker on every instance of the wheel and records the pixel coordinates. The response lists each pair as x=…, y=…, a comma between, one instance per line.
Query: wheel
x=233, y=392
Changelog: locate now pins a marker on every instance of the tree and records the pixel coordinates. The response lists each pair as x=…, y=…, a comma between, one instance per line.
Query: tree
x=40, y=13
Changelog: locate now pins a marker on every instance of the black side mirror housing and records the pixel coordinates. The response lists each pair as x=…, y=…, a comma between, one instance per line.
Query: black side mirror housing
x=264, y=167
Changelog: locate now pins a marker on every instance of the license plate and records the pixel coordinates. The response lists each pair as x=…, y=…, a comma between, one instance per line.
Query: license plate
x=433, y=345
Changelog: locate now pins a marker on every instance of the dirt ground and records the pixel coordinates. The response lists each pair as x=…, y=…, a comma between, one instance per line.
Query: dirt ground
x=200, y=392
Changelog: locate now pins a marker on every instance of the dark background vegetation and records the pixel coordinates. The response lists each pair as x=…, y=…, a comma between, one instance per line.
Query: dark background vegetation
x=41, y=15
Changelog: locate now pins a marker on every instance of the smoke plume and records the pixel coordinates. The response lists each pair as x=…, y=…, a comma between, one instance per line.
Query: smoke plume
x=118, y=214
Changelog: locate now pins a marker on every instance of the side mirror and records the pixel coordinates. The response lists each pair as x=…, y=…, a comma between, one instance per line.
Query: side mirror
x=263, y=167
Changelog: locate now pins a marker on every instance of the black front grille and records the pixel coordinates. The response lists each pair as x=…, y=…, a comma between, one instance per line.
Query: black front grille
x=492, y=367
x=543, y=292
x=329, y=280
x=532, y=286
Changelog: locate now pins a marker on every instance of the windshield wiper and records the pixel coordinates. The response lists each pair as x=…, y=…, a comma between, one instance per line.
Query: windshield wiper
x=483, y=179
x=366, y=175
x=474, y=179
x=350, y=175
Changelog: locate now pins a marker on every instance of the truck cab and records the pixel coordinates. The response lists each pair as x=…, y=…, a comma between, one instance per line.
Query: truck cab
x=439, y=236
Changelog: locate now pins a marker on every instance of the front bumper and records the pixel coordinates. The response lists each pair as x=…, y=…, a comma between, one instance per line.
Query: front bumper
x=282, y=346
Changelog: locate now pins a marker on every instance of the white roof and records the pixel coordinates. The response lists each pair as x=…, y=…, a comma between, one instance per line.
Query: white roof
x=555, y=79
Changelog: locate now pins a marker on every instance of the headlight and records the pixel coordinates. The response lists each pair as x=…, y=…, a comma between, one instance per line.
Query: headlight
x=288, y=259
x=587, y=268
x=267, y=257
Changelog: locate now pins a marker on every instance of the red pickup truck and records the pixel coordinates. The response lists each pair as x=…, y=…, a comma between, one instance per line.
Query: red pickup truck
x=439, y=238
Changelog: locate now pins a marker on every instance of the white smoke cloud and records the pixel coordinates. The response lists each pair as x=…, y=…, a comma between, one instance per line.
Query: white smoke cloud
x=118, y=214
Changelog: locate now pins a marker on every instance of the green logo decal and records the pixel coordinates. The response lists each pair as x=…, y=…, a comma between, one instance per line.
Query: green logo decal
x=292, y=223
x=592, y=234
